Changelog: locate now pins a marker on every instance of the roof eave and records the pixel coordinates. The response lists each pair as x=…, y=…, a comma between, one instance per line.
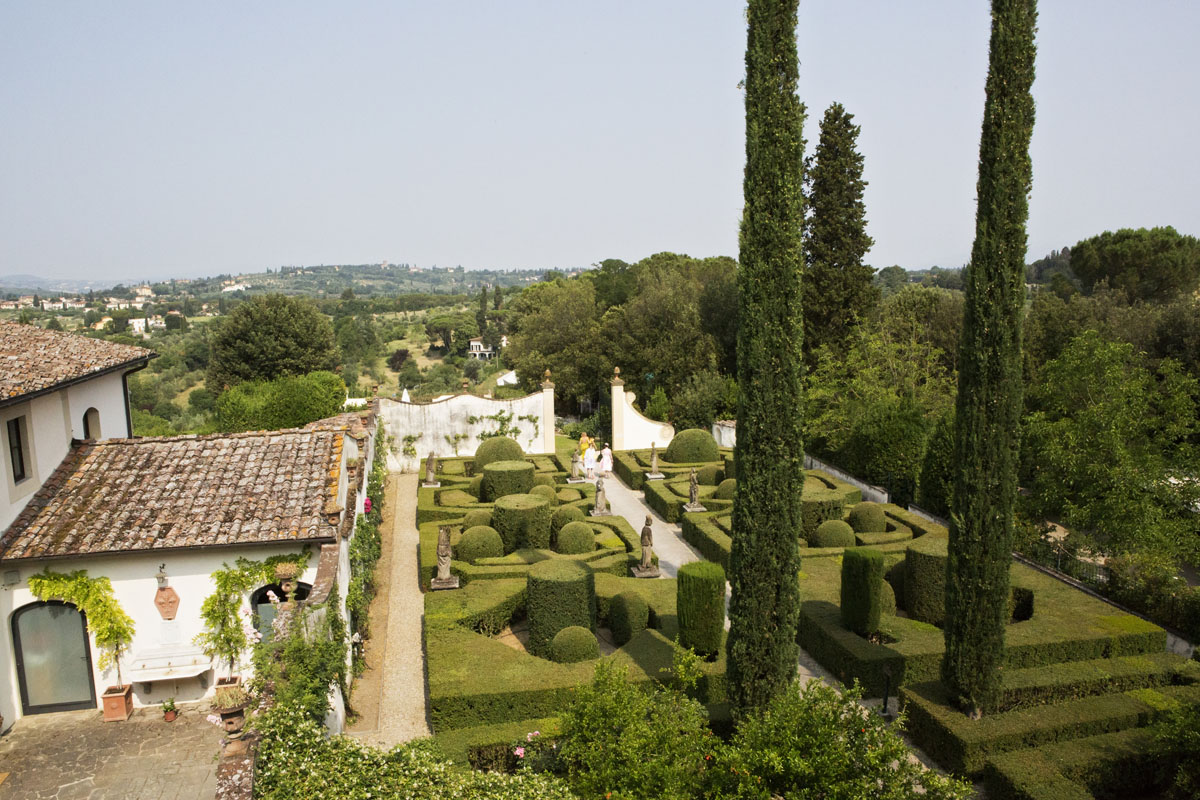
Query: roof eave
x=139, y=362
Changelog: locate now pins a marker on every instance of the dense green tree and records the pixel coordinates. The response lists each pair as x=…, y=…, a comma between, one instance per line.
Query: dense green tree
x=54, y=324
x=1156, y=264
x=615, y=282
x=838, y=291
x=290, y=401
x=891, y=279
x=1102, y=440
x=719, y=314
x=705, y=397
x=270, y=336
x=765, y=558
x=923, y=314
x=935, y=485
x=987, y=421
x=555, y=327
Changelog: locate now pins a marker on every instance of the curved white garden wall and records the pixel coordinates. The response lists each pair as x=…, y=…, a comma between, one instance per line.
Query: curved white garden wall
x=631, y=430
x=439, y=426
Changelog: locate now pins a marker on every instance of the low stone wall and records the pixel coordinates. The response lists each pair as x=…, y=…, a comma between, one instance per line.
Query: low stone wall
x=630, y=429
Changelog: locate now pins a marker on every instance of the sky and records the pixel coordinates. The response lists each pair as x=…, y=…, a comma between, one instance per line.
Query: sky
x=154, y=140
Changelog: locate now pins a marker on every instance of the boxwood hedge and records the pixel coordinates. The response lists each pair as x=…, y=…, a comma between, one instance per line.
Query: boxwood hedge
x=501, y=478
x=523, y=520
x=561, y=593
x=573, y=644
x=701, y=606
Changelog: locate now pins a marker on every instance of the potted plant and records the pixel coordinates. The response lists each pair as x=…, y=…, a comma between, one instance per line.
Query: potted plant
x=286, y=573
x=228, y=627
x=230, y=702
x=169, y=710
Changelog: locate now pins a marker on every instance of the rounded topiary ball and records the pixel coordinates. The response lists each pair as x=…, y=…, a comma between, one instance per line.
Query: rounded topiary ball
x=569, y=495
x=560, y=593
x=479, y=516
x=691, y=446
x=709, y=475
x=833, y=533
x=574, y=644
x=523, y=520
x=541, y=490
x=477, y=486
x=575, y=538
x=867, y=518
x=543, y=479
x=502, y=478
x=726, y=489
x=562, y=516
x=479, y=542
x=628, y=615
x=497, y=448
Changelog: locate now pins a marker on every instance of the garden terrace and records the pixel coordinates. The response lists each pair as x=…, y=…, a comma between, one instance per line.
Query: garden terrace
x=631, y=466
x=462, y=489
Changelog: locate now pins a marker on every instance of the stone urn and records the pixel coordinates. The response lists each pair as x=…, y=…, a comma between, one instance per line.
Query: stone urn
x=286, y=575
x=230, y=703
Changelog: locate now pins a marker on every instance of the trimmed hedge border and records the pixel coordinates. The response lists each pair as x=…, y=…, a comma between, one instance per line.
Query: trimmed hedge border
x=963, y=745
x=1120, y=764
x=628, y=615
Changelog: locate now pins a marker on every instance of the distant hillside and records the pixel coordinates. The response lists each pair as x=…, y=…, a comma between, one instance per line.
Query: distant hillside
x=35, y=283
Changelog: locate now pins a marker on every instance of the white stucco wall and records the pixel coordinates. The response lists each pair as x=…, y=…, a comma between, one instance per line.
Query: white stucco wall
x=133, y=580
x=631, y=430
x=52, y=420
x=433, y=422
x=725, y=432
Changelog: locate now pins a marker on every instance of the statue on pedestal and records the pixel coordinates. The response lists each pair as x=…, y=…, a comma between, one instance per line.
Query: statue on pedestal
x=444, y=579
x=576, y=468
x=601, y=507
x=647, y=569
x=693, y=503
x=654, y=474
x=430, y=470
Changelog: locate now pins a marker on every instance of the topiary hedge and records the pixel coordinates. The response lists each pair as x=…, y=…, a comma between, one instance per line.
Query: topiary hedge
x=574, y=644
x=887, y=599
x=725, y=489
x=691, y=446
x=925, y=579
x=819, y=507
x=482, y=516
x=562, y=516
x=560, y=593
x=709, y=475
x=628, y=615
x=548, y=492
x=523, y=520
x=497, y=448
x=867, y=518
x=862, y=575
x=477, y=487
x=542, y=479
x=575, y=538
x=501, y=478
x=832, y=533
x=700, y=603
x=479, y=542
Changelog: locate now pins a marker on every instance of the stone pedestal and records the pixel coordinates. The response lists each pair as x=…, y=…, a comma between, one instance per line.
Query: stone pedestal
x=648, y=572
x=444, y=583
x=693, y=507
x=654, y=476
x=596, y=512
x=577, y=480
x=434, y=485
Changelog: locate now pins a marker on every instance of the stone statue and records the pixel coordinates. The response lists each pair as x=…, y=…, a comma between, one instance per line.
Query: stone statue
x=444, y=579
x=693, y=503
x=647, y=544
x=430, y=470
x=654, y=474
x=576, y=468
x=601, y=507
x=647, y=569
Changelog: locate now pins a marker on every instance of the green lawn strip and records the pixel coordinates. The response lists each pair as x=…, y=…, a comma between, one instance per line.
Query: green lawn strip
x=1067, y=625
x=462, y=745
x=1110, y=765
x=963, y=746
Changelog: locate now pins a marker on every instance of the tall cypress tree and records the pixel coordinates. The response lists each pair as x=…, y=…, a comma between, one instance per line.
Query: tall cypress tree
x=837, y=284
x=765, y=558
x=989, y=378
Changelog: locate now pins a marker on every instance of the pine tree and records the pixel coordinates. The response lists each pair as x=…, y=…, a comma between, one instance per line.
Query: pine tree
x=765, y=558
x=837, y=284
x=989, y=382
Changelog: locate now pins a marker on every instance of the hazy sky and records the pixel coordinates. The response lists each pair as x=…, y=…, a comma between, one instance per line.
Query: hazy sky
x=161, y=139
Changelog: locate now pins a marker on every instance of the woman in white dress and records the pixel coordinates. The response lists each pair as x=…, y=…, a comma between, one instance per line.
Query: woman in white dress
x=606, y=458
x=589, y=462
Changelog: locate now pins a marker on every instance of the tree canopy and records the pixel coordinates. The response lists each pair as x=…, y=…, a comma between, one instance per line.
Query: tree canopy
x=1155, y=264
x=270, y=336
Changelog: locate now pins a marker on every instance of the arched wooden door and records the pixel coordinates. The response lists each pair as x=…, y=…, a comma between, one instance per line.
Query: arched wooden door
x=54, y=661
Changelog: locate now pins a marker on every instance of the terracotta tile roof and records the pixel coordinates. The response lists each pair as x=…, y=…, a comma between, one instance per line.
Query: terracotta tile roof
x=33, y=359
x=121, y=495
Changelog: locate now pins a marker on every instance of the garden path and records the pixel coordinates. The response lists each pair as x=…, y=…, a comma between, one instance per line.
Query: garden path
x=391, y=696
x=673, y=552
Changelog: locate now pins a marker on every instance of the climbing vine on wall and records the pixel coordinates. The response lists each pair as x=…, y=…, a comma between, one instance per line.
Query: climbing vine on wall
x=410, y=444
x=454, y=440
x=229, y=629
x=503, y=419
x=112, y=628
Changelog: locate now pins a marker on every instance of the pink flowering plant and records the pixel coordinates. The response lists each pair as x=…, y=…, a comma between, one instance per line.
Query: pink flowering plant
x=536, y=753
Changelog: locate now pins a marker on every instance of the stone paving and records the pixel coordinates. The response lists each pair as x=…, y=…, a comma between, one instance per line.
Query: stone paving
x=74, y=755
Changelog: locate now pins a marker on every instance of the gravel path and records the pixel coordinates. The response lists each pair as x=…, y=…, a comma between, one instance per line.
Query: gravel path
x=392, y=696
x=673, y=552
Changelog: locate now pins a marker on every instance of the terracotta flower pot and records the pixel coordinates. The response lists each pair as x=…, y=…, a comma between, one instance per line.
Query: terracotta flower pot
x=117, y=702
x=169, y=716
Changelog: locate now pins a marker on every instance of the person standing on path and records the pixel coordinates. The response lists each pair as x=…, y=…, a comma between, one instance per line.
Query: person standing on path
x=606, y=458
x=589, y=462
